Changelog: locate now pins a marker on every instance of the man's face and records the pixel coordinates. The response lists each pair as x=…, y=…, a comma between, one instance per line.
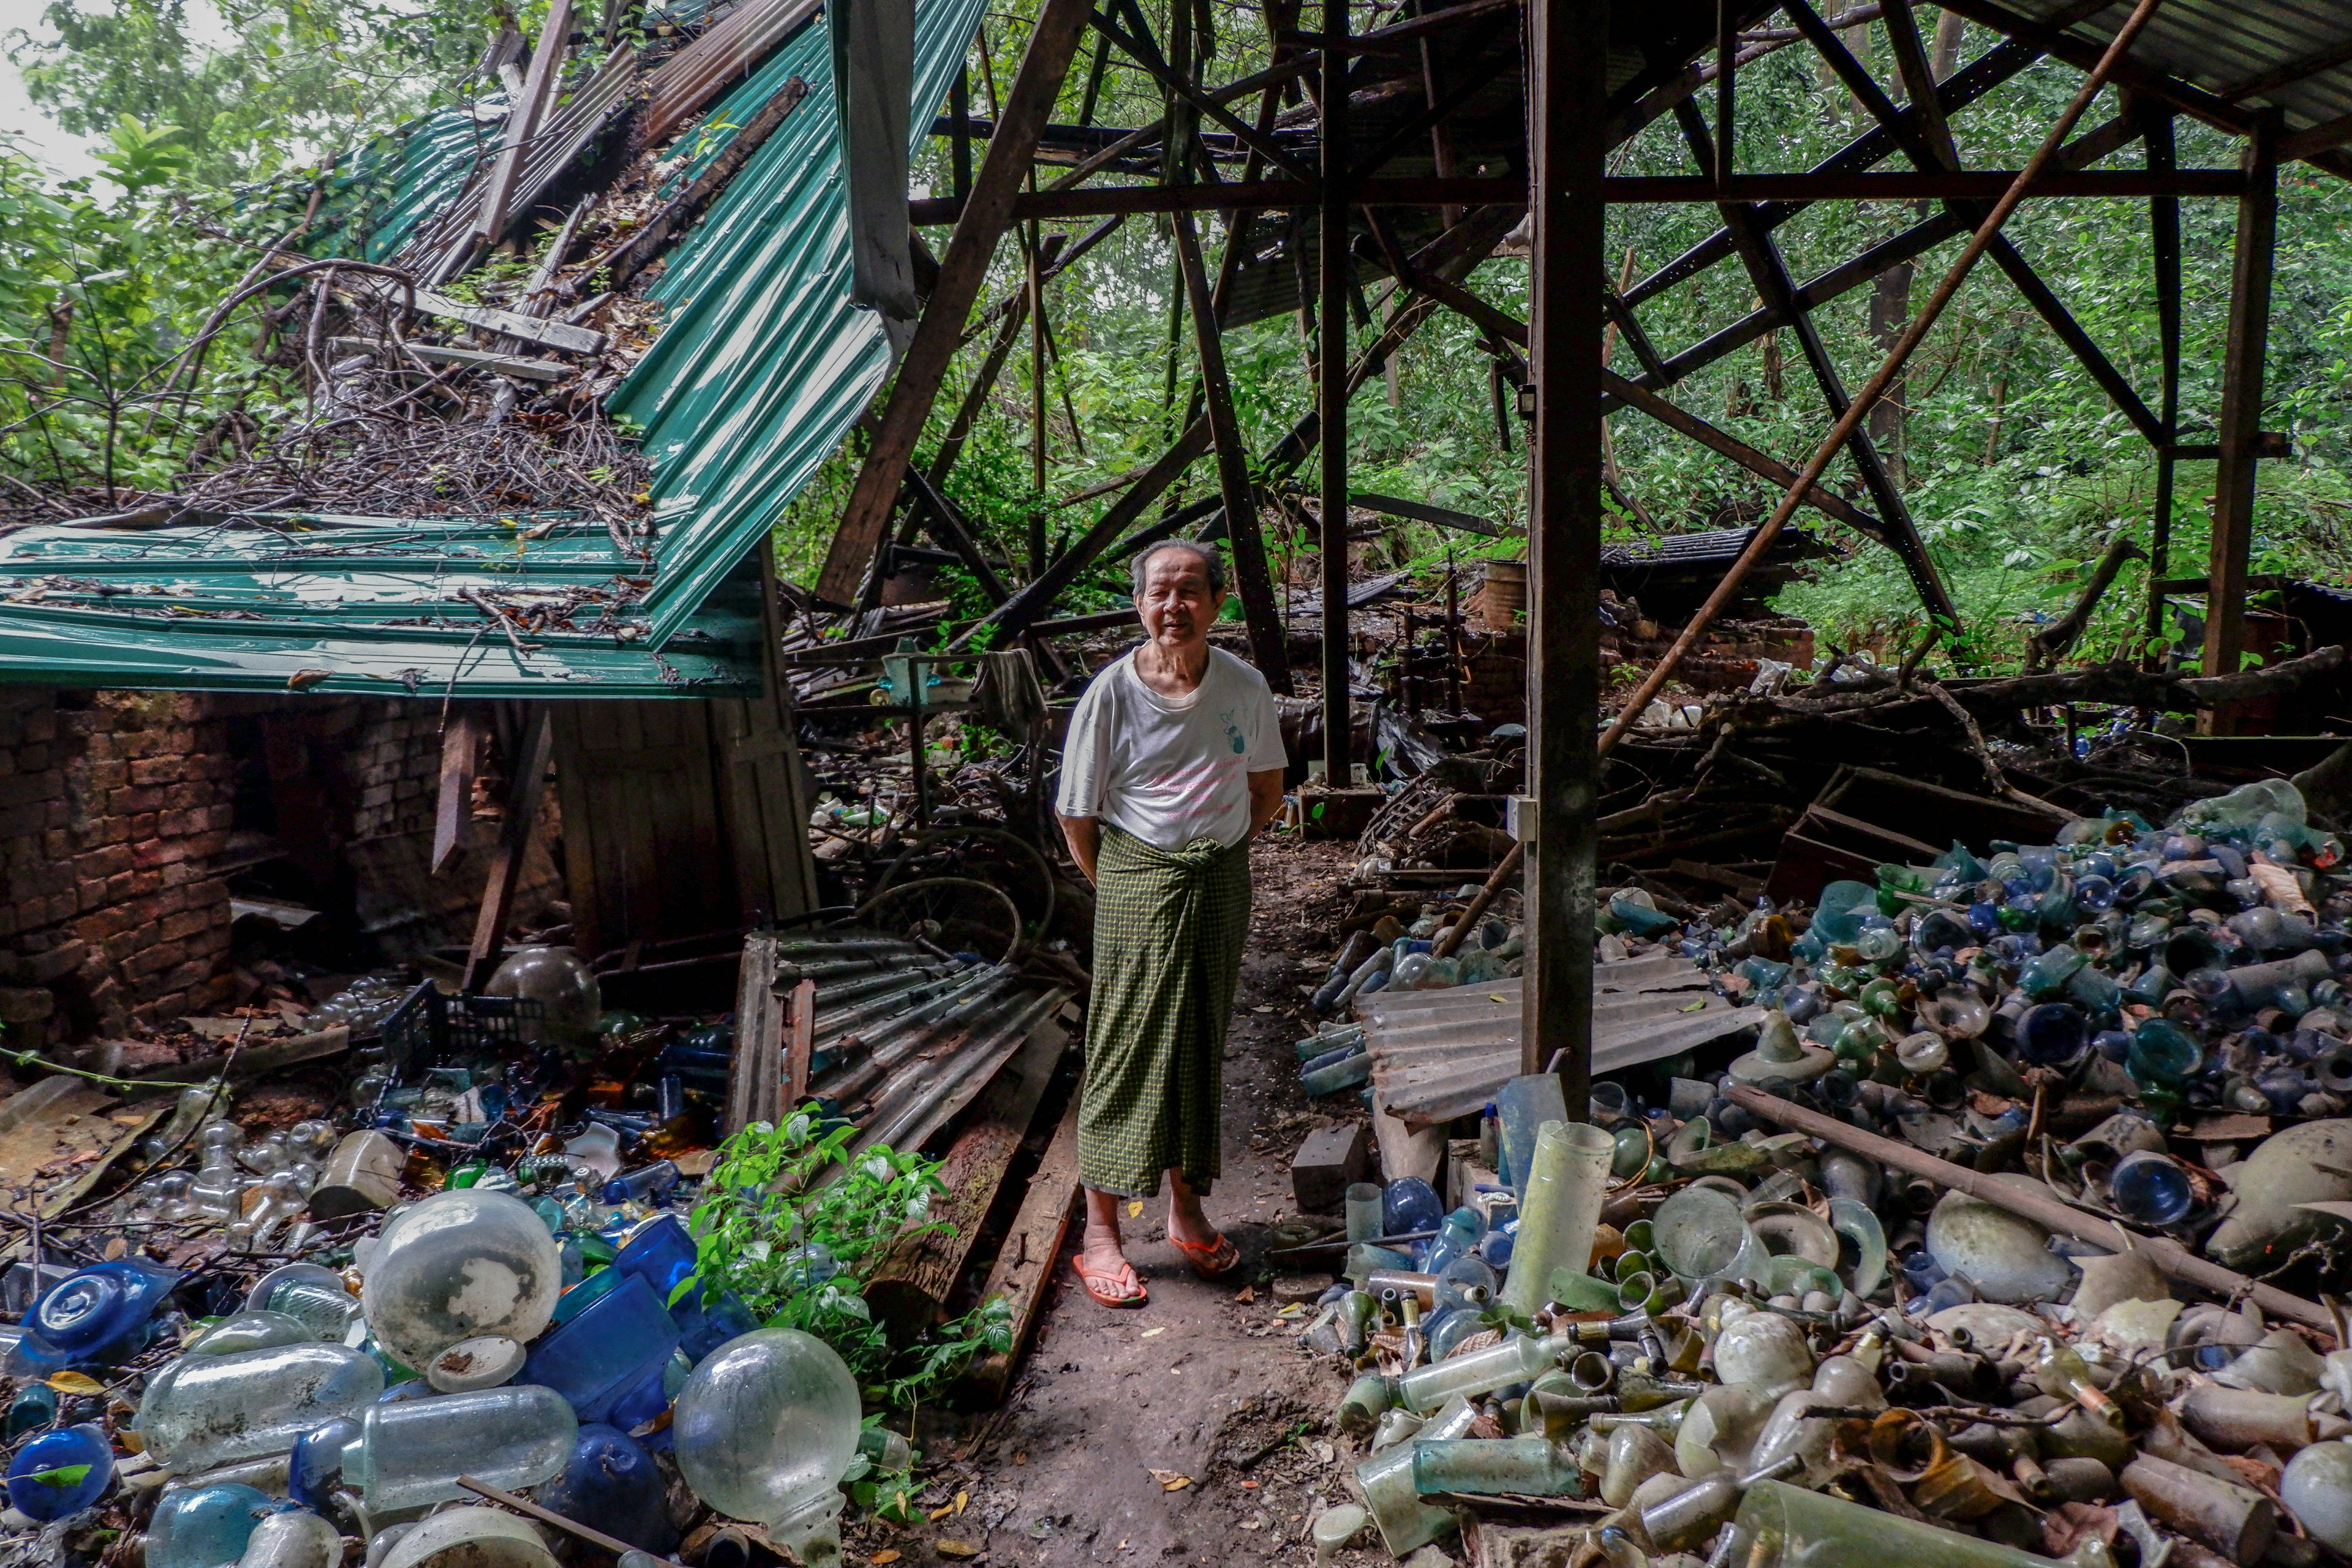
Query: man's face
x=1177, y=605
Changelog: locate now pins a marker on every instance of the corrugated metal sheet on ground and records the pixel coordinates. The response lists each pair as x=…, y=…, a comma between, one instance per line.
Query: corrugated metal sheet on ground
x=1438, y=1054
x=762, y=369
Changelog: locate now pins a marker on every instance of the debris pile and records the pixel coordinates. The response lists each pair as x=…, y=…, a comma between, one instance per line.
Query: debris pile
x=480, y=1278
x=1970, y=1251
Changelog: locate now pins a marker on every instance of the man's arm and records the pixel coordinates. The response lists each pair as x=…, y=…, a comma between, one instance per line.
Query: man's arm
x=1084, y=835
x=1265, y=800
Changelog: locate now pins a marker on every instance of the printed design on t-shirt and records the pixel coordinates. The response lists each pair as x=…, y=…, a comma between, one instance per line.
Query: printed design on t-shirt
x=1233, y=730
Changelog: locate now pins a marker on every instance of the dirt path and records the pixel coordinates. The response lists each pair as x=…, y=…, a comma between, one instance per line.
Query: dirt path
x=1127, y=1431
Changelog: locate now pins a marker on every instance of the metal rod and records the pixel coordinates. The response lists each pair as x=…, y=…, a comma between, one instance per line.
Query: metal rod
x=530, y=1509
x=1876, y=387
x=2166, y=1254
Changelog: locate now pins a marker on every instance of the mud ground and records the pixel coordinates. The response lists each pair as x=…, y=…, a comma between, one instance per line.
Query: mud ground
x=1193, y=1429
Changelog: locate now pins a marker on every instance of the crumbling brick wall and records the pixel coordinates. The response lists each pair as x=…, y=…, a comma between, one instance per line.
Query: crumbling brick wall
x=123, y=814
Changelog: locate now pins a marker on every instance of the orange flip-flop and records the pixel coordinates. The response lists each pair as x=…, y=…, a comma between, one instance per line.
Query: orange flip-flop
x=1211, y=1259
x=1087, y=1279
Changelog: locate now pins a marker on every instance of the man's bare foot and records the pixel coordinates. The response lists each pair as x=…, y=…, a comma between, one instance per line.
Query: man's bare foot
x=1106, y=1273
x=1188, y=1225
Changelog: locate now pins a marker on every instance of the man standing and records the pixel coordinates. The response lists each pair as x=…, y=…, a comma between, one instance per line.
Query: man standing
x=1173, y=763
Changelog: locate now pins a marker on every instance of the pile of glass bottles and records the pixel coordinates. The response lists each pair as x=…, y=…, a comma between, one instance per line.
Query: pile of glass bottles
x=1714, y=1327
x=552, y=1347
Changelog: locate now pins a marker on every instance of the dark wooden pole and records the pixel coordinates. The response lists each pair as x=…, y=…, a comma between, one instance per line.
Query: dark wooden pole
x=1568, y=94
x=2241, y=412
x=2164, y=230
x=1332, y=365
x=1242, y=534
x=525, y=788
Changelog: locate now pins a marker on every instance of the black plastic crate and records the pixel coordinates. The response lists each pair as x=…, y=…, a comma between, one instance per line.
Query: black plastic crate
x=430, y=1026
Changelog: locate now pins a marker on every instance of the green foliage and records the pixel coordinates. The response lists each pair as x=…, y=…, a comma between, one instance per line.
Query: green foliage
x=766, y=1206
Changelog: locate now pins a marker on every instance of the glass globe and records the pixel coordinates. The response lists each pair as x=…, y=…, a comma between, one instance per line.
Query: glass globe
x=764, y=1429
x=457, y=1265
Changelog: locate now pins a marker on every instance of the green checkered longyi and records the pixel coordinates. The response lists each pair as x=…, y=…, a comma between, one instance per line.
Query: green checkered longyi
x=1169, y=926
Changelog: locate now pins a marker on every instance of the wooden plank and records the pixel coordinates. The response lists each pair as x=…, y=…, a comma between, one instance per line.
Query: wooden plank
x=461, y=743
x=754, y=1078
x=523, y=794
x=649, y=241
x=504, y=364
x=539, y=89
x=801, y=1043
x=911, y=1290
x=1011, y=145
x=512, y=324
x=1024, y=1264
x=1422, y=511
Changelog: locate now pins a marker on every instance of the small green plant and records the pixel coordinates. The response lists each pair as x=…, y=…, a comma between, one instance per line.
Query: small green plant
x=796, y=1241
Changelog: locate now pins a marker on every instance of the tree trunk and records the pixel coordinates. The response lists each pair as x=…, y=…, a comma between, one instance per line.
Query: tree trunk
x=1946, y=59
x=1992, y=437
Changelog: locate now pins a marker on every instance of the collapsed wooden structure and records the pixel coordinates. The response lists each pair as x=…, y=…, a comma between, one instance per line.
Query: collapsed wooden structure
x=1428, y=139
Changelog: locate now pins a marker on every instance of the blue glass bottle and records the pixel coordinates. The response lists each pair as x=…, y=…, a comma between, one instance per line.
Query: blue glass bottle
x=607, y=1351
x=98, y=1316
x=1410, y=1204
x=315, y=1469
x=611, y=1484
x=60, y=1473
x=202, y=1527
x=2150, y=1188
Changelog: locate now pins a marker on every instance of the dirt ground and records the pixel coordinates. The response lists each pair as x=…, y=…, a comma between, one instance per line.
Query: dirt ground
x=1196, y=1428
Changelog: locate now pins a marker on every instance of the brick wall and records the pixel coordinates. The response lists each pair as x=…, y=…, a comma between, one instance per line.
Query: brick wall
x=124, y=816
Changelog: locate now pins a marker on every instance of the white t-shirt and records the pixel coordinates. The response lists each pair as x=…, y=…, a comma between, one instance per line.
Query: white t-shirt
x=1170, y=770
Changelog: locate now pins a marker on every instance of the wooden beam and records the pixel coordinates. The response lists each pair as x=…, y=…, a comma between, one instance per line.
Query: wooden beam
x=909, y=1292
x=2243, y=362
x=962, y=270
x=1801, y=188
x=1332, y=277
x=476, y=359
x=1025, y=1262
x=947, y=525
x=649, y=241
x=525, y=788
x=1141, y=52
x=2164, y=246
x=461, y=747
x=755, y=1081
x=1822, y=498
x=1566, y=109
x=2323, y=137
x=1422, y=511
x=522, y=123
x=1268, y=644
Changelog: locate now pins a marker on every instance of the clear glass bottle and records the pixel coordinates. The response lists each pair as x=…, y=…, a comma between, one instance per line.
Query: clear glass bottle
x=1533, y=1466
x=1386, y=1479
x=1424, y=1389
x=764, y=1429
x=292, y=1538
x=2061, y=1372
x=205, y=1411
x=410, y=1452
x=457, y=1265
x=250, y=1331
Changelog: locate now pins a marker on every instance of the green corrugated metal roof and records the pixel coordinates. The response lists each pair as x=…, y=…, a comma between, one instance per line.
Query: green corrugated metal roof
x=762, y=367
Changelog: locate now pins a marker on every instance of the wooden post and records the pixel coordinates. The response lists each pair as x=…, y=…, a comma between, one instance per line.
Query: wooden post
x=1234, y=486
x=755, y=1076
x=2241, y=412
x=522, y=123
x=524, y=791
x=1331, y=366
x=1012, y=142
x=800, y=1043
x=461, y=744
x=1567, y=95
x=2164, y=230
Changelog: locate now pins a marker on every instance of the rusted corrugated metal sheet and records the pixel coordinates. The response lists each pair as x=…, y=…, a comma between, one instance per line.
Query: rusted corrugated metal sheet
x=686, y=82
